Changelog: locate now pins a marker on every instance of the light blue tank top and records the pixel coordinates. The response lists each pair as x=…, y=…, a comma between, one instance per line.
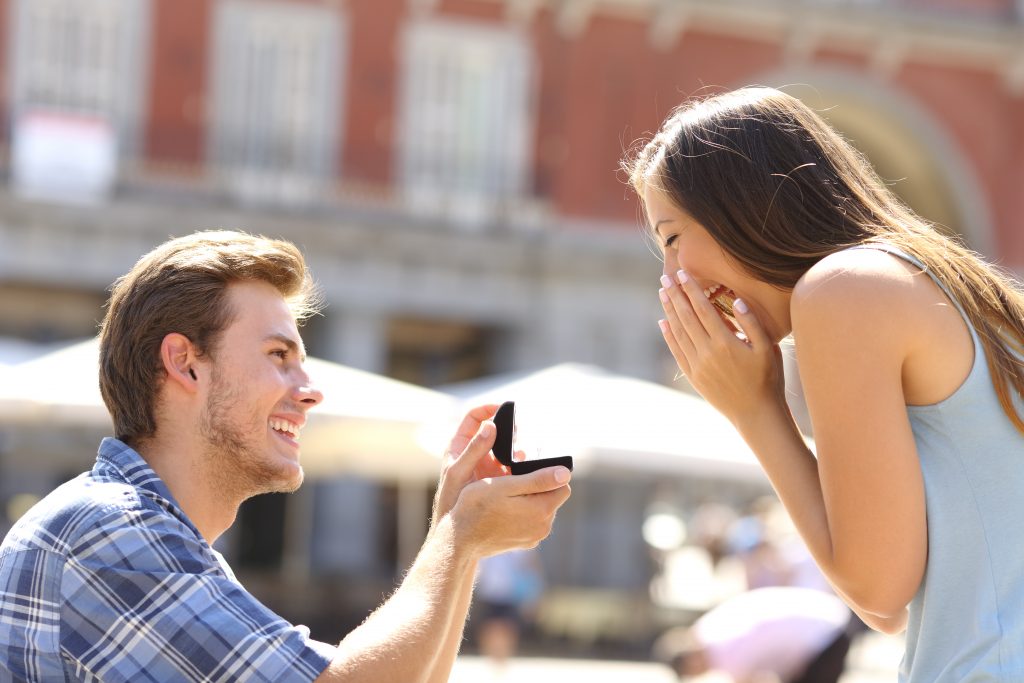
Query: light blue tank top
x=967, y=620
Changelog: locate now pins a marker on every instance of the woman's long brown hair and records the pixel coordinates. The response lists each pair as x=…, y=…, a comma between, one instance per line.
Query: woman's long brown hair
x=779, y=190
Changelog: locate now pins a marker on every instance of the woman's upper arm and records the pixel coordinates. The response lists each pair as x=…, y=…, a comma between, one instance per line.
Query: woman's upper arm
x=853, y=329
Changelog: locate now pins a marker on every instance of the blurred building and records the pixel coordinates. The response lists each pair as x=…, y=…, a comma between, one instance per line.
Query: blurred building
x=450, y=167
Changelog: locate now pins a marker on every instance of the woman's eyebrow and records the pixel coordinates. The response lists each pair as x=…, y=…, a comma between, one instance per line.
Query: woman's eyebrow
x=658, y=224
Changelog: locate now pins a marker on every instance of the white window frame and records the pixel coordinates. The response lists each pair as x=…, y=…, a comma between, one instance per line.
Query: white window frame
x=103, y=71
x=466, y=117
x=247, y=105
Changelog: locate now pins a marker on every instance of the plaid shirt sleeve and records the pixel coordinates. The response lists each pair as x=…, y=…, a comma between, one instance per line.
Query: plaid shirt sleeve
x=140, y=598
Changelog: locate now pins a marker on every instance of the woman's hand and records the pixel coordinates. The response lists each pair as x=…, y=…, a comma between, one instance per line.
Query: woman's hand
x=735, y=370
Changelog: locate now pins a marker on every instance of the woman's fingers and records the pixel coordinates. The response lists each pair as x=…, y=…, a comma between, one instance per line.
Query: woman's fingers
x=707, y=321
x=694, y=327
x=687, y=319
x=751, y=326
x=703, y=309
x=673, y=346
x=674, y=330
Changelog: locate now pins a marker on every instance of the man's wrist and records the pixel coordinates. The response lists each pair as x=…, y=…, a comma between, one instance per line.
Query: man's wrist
x=460, y=550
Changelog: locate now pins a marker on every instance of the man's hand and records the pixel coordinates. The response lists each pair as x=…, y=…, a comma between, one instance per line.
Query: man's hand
x=478, y=511
x=495, y=515
x=494, y=512
x=468, y=459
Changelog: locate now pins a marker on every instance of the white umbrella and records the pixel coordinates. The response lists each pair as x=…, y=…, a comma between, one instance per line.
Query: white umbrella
x=14, y=350
x=610, y=422
x=5, y=373
x=58, y=388
x=367, y=424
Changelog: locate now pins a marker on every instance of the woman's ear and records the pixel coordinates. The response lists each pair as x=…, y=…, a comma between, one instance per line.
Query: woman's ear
x=178, y=355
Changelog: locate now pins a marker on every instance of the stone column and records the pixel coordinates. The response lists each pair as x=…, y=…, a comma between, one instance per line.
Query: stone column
x=355, y=338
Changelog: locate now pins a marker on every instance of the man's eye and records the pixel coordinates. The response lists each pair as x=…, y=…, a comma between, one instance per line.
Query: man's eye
x=280, y=353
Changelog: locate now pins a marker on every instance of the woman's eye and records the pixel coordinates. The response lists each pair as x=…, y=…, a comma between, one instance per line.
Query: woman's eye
x=670, y=241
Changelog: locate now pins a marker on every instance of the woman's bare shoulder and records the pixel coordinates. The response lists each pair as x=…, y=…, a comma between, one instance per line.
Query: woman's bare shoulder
x=862, y=286
x=855, y=272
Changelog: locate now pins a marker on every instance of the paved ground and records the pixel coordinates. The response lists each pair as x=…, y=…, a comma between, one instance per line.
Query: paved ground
x=873, y=659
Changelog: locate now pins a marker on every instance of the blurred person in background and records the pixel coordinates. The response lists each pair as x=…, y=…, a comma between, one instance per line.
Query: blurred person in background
x=909, y=350
x=766, y=635
x=113, y=577
x=753, y=539
x=772, y=553
x=710, y=527
x=507, y=590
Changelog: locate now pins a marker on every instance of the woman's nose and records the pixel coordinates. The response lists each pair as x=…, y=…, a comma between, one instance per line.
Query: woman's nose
x=669, y=266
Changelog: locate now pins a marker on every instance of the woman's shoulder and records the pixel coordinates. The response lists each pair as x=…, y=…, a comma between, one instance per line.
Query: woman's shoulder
x=869, y=284
x=863, y=269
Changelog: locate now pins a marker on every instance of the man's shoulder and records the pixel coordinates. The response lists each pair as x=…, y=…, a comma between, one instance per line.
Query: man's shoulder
x=82, y=505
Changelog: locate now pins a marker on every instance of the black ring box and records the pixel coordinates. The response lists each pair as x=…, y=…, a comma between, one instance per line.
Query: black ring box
x=505, y=423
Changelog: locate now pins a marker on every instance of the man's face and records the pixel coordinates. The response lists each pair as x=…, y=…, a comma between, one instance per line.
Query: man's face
x=258, y=395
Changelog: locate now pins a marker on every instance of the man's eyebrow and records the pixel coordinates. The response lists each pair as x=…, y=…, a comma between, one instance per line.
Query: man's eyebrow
x=293, y=346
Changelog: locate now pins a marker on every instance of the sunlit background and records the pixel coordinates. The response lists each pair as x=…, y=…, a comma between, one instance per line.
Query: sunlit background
x=450, y=169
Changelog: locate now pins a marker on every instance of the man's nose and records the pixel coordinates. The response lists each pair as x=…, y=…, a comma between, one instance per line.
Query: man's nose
x=309, y=396
x=306, y=392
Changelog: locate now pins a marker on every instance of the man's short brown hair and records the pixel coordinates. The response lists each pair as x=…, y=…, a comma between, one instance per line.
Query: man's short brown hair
x=181, y=286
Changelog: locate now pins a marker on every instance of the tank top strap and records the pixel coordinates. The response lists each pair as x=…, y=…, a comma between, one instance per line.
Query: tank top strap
x=899, y=253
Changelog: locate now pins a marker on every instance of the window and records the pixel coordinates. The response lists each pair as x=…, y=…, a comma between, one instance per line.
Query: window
x=466, y=115
x=275, y=97
x=435, y=352
x=81, y=57
x=859, y=3
x=76, y=94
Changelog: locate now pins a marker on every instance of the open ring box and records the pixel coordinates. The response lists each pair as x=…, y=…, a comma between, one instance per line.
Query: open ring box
x=505, y=424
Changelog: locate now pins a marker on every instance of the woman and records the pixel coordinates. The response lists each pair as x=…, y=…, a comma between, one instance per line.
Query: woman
x=908, y=348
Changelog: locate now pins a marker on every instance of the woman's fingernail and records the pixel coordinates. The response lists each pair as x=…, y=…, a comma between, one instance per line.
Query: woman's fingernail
x=666, y=281
x=741, y=306
x=683, y=277
x=663, y=295
x=561, y=475
x=663, y=326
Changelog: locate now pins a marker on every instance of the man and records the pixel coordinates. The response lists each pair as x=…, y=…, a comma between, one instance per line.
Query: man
x=112, y=577
x=780, y=634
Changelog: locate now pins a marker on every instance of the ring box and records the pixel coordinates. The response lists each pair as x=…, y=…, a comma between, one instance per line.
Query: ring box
x=505, y=424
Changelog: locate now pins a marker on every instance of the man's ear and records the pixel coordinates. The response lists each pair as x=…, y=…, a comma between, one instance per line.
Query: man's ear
x=178, y=355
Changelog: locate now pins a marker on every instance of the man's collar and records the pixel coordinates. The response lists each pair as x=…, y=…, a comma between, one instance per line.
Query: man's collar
x=117, y=460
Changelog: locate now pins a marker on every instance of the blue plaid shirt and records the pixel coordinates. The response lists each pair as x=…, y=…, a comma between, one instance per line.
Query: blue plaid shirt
x=106, y=579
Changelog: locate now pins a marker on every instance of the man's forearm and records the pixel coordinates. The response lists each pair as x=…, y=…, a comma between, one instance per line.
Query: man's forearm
x=450, y=650
x=408, y=637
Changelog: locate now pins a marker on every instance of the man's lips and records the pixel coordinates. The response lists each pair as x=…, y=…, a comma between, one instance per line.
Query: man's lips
x=286, y=428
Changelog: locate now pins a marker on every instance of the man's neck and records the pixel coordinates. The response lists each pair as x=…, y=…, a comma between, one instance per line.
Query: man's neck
x=199, y=491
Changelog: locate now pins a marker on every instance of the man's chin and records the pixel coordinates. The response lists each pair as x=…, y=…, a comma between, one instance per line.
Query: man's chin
x=294, y=484
x=288, y=478
x=284, y=478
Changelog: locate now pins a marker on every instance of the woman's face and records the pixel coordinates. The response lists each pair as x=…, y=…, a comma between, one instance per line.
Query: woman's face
x=685, y=244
